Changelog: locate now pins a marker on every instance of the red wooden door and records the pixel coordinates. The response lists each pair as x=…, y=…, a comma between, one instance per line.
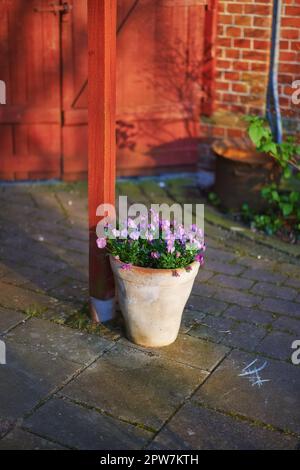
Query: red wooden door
x=161, y=74
x=160, y=55
x=160, y=64
x=30, y=122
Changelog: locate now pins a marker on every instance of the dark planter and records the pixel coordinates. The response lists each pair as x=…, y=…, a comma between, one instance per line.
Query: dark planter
x=241, y=173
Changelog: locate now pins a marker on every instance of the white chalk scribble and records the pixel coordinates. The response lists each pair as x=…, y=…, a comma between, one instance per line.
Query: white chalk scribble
x=252, y=373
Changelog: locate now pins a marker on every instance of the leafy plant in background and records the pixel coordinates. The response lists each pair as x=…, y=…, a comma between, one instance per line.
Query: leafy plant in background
x=283, y=213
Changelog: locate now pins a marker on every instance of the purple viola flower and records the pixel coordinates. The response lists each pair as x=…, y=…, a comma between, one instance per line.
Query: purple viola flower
x=126, y=266
x=155, y=255
x=200, y=258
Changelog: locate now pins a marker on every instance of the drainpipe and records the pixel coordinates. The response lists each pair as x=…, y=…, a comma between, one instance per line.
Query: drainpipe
x=273, y=108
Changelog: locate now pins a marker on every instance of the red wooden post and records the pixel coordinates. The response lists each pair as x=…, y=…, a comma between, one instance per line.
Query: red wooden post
x=102, y=145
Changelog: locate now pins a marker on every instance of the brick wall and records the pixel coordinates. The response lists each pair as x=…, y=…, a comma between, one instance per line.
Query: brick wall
x=243, y=45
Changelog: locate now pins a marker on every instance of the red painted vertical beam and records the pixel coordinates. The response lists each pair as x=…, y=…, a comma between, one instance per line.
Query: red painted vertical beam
x=209, y=68
x=101, y=133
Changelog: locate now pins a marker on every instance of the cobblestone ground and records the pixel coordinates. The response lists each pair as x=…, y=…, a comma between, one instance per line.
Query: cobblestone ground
x=69, y=384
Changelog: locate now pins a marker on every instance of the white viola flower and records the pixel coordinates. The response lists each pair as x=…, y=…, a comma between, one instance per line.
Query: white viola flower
x=131, y=223
x=115, y=232
x=124, y=233
x=135, y=235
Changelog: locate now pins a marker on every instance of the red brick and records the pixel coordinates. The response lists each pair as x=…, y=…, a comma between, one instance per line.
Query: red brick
x=242, y=20
x=258, y=9
x=239, y=87
x=232, y=53
x=292, y=11
x=290, y=33
x=290, y=22
x=261, y=44
x=242, y=43
x=233, y=32
x=263, y=22
x=235, y=8
x=289, y=57
x=255, y=55
x=257, y=33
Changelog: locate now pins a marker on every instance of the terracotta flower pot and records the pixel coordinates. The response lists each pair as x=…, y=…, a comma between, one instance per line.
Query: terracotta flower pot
x=152, y=301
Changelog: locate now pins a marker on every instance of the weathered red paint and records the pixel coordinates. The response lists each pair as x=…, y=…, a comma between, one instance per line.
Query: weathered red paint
x=101, y=132
x=43, y=128
x=30, y=130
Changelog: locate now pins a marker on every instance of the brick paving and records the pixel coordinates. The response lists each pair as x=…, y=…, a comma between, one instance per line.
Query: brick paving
x=68, y=384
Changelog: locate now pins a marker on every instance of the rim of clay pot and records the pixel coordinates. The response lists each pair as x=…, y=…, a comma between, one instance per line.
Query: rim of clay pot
x=153, y=270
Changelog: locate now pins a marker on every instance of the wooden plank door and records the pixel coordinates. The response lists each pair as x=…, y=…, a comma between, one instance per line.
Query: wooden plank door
x=160, y=63
x=30, y=122
x=160, y=58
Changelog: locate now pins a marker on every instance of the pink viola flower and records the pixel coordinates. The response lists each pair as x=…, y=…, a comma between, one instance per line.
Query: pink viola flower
x=170, y=246
x=101, y=242
x=155, y=254
x=126, y=266
x=200, y=258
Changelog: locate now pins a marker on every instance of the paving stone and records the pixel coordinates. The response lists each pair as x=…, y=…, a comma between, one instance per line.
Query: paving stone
x=276, y=403
x=28, y=376
x=245, y=336
x=224, y=268
x=13, y=297
x=125, y=383
x=212, y=329
x=203, y=429
x=189, y=350
x=237, y=297
x=285, y=307
x=60, y=341
x=19, y=439
x=252, y=315
x=288, y=324
x=78, y=427
x=229, y=333
x=231, y=281
x=263, y=275
x=190, y=318
x=269, y=289
x=293, y=282
x=277, y=344
x=219, y=255
x=9, y=318
x=71, y=290
x=206, y=305
x=289, y=269
x=203, y=275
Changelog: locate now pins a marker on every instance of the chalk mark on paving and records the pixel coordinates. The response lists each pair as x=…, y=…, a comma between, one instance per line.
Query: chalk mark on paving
x=253, y=373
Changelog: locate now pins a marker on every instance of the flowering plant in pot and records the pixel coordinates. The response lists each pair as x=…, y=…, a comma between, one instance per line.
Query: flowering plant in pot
x=154, y=266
